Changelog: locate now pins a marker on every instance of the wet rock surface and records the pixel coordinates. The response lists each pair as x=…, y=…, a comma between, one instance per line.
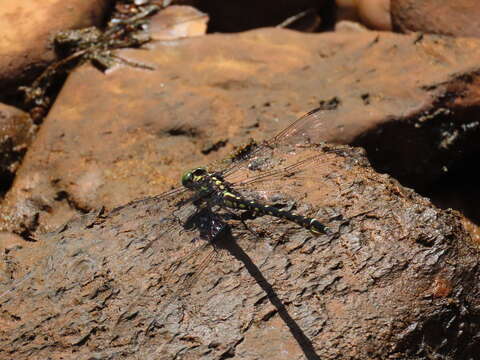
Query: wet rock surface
x=394, y=270
x=457, y=18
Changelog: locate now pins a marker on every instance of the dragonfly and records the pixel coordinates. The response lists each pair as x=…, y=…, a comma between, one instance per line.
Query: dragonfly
x=165, y=244
x=217, y=198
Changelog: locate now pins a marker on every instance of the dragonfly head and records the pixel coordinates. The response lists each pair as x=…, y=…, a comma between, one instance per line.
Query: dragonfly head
x=192, y=179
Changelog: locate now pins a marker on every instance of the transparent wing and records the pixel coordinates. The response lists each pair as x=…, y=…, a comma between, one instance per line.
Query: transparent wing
x=178, y=193
x=306, y=169
x=185, y=272
x=304, y=130
x=269, y=181
x=306, y=179
x=298, y=170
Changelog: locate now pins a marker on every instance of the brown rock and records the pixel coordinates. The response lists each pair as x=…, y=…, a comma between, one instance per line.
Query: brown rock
x=177, y=22
x=458, y=18
x=349, y=26
x=129, y=133
x=395, y=270
x=375, y=14
x=10, y=245
x=473, y=230
x=16, y=134
x=27, y=31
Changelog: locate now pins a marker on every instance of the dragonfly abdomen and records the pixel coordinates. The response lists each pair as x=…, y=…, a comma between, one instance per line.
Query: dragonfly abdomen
x=237, y=202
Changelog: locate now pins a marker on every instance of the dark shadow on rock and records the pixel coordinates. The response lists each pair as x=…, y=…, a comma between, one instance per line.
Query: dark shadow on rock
x=303, y=341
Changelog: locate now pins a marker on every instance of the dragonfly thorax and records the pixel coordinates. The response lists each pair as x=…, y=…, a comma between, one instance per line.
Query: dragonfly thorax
x=195, y=179
x=206, y=184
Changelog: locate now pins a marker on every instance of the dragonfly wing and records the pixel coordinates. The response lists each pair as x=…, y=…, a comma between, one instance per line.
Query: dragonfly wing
x=303, y=180
x=305, y=130
x=185, y=272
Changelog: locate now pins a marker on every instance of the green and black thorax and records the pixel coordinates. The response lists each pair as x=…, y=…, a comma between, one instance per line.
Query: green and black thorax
x=213, y=187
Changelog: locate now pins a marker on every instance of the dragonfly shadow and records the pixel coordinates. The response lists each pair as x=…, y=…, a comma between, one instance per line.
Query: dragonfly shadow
x=211, y=226
x=236, y=251
x=214, y=228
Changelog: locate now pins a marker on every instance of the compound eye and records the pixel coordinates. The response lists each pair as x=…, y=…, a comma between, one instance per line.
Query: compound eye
x=199, y=172
x=187, y=178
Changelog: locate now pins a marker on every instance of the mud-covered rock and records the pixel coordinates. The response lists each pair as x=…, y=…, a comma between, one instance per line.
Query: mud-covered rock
x=395, y=278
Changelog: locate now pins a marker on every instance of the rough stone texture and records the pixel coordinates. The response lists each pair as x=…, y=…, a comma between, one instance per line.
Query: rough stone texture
x=10, y=244
x=411, y=101
x=396, y=279
x=473, y=230
x=458, y=18
x=16, y=134
x=27, y=30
